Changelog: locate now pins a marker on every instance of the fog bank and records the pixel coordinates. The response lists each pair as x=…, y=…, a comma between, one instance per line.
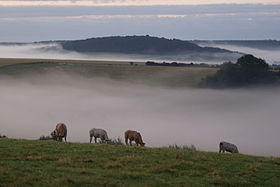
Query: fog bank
x=39, y=51
x=271, y=56
x=31, y=106
x=56, y=51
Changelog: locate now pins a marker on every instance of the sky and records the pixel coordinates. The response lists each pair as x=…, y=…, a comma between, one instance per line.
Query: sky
x=127, y=2
x=32, y=20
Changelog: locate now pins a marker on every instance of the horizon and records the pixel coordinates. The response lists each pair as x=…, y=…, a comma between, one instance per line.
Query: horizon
x=123, y=36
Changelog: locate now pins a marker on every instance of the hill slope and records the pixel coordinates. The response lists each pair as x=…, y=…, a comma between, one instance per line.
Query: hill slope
x=137, y=45
x=50, y=163
x=122, y=71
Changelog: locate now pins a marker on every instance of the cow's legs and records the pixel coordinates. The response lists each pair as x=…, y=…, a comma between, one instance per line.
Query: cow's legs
x=95, y=139
x=130, y=142
x=126, y=141
x=65, y=139
x=90, y=139
x=103, y=139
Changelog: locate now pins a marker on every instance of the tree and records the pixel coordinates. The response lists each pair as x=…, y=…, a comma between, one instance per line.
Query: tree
x=251, y=63
x=247, y=70
x=252, y=69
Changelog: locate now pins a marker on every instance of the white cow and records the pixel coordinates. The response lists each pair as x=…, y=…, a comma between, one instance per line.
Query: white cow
x=225, y=146
x=98, y=133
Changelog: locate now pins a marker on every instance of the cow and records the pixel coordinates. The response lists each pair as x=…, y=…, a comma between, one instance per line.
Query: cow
x=98, y=133
x=60, y=132
x=225, y=146
x=133, y=136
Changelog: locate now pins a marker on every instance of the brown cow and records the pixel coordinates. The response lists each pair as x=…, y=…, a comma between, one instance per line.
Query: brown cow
x=60, y=132
x=133, y=136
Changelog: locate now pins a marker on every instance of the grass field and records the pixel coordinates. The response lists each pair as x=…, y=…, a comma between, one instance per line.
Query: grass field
x=137, y=73
x=12, y=61
x=50, y=163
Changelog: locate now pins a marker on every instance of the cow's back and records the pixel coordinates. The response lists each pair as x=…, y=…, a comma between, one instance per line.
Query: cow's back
x=130, y=134
x=98, y=133
x=228, y=147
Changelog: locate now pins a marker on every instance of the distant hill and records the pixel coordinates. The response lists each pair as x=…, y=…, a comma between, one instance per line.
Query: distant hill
x=137, y=45
x=257, y=44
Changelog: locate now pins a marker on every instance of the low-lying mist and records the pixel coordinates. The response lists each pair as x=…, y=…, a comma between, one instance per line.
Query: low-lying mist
x=31, y=106
x=56, y=51
x=271, y=56
x=38, y=51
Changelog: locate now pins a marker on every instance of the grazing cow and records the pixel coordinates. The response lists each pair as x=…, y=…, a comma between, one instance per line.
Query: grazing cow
x=60, y=132
x=133, y=136
x=225, y=146
x=98, y=133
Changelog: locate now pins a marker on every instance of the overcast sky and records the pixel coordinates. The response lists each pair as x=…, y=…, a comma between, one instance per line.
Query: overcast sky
x=25, y=21
x=128, y=2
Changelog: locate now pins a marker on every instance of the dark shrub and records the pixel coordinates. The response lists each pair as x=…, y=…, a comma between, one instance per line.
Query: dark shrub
x=51, y=137
x=247, y=70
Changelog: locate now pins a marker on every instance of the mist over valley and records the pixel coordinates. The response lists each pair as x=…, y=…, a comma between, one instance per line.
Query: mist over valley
x=164, y=103
x=265, y=49
x=34, y=100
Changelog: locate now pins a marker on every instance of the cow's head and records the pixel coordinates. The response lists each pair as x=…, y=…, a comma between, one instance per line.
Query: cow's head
x=142, y=144
x=139, y=139
x=54, y=135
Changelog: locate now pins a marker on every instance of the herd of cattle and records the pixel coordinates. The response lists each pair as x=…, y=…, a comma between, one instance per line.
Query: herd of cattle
x=60, y=132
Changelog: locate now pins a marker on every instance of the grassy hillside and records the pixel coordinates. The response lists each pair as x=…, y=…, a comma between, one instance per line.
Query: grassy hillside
x=137, y=73
x=49, y=163
x=13, y=61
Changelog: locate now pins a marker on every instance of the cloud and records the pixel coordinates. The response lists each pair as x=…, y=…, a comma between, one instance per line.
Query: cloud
x=92, y=17
x=143, y=15
x=126, y=2
x=192, y=10
x=183, y=22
